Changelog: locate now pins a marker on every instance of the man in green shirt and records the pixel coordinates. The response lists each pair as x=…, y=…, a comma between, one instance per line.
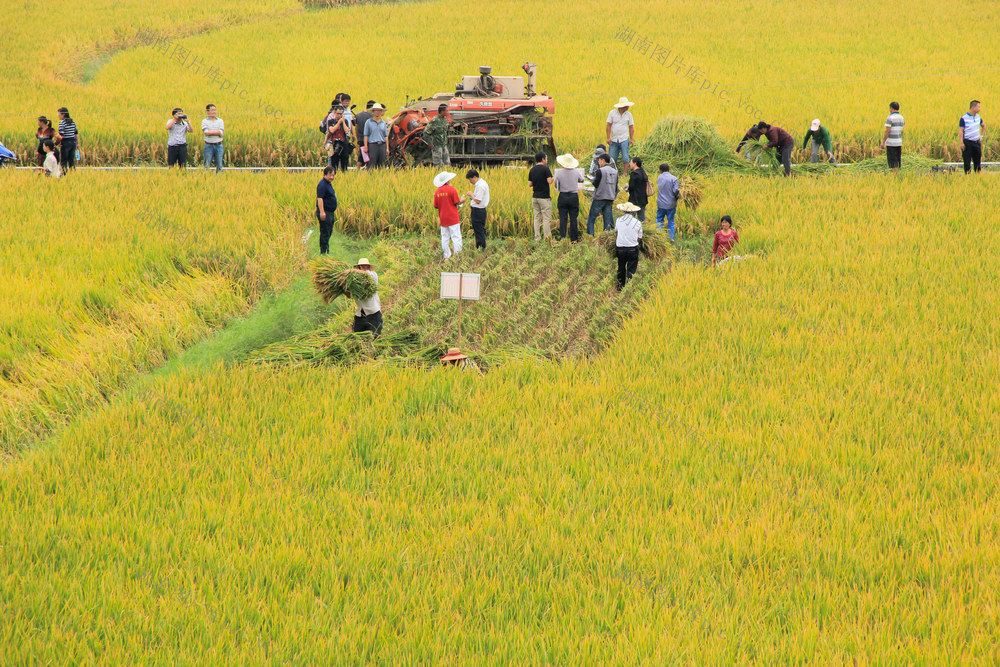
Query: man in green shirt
x=436, y=135
x=820, y=139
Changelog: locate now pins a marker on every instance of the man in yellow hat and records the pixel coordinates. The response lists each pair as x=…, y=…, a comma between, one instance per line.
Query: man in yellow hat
x=621, y=132
x=368, y=315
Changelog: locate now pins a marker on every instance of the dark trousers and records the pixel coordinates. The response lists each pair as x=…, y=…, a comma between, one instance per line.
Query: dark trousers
x=628, y=262
x=569, y=211
x=894, y=155
x=600, y=207
x=372, y=322
x=340, y=162
x=786, y=158
x=325, y=231
x=478, y=219
x=972, y=155
x=177, y=155
x=377, y=155
x=67, y=153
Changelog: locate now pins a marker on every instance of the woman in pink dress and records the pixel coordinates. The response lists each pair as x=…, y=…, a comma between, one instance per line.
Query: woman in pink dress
x=725, y=239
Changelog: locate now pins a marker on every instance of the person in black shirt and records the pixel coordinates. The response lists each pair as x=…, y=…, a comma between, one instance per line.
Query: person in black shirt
x=326, y=205
x=751, y=136
x=540, y=178
x=637, y=184
x=68, y=139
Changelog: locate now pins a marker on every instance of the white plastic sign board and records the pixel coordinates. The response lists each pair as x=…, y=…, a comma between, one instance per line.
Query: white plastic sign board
x=466, y=284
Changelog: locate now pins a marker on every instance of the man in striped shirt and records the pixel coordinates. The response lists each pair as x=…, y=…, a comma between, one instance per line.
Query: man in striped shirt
x=67, y=140
x=892, y=141
x=972, y=138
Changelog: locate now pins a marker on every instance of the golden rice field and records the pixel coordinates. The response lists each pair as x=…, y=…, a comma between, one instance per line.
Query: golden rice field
x=115, y=274
x=265, y=66
x=790, y=458
x=787, y=459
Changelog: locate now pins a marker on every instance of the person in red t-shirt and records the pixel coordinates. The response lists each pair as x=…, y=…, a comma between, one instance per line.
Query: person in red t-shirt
x=725, y=239
x=446, y=201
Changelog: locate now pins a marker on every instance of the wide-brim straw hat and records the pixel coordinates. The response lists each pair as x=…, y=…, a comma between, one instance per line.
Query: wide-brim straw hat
x=814, y=125
x=628, y=207
x=443, y=178
x=454, y=354
x=362, y=262
x=623, y=102
x=378, y=106
x=567, y=161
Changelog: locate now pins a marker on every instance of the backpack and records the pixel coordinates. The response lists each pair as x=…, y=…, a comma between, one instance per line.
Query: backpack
x=323, y=126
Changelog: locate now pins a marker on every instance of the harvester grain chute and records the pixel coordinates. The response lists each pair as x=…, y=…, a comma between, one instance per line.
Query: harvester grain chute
x=493, y=120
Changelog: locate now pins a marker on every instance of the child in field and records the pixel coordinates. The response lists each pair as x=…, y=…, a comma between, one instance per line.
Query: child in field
x=50, y=165
x=725, y=239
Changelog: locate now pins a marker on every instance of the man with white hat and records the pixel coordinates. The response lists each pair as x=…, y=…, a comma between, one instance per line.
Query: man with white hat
x=568, y=181
x=446, y=201
x=368, y=315
x=620, y=131
x=820, y=139
x=376, y=136
x=629, y=236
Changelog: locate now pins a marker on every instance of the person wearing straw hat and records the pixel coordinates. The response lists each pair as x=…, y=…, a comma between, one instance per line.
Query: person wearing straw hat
x=456, y=358
x=820, y=139
x=368, y=315
x=620, y=131
x=629, y=237
x=568, y=181
x=376, y=136
x=446, y=201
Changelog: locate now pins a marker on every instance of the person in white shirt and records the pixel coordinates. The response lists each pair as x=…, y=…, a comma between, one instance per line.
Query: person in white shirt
x=178, y=128
x=971, y=137
x=368, y=315
x=213, y=128
x=51, y=163
x=621, y=132
x=480, y=197
x=628, y=229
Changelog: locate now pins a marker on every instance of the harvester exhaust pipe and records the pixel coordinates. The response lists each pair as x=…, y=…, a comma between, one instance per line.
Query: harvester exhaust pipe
x=530, y=69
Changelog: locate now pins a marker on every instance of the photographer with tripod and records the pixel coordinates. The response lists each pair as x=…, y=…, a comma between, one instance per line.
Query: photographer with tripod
x=178, y=128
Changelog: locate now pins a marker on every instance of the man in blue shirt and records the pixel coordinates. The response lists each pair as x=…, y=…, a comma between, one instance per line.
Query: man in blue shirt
x=326, y=206
x=376, y=135
x=668, y=190
x=971, y=136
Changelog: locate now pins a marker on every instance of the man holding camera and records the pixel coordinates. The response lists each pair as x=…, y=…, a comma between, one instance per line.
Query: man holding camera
x=177, y=130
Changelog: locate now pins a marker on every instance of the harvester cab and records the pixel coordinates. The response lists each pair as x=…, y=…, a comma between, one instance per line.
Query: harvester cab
x=491, y=120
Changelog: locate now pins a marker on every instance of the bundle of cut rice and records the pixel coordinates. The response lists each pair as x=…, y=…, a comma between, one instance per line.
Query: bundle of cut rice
x=333, y=278
x=655, y=245
x=690, y=193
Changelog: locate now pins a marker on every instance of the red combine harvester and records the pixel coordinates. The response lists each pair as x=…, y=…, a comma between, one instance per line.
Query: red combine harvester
x=494, y=120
